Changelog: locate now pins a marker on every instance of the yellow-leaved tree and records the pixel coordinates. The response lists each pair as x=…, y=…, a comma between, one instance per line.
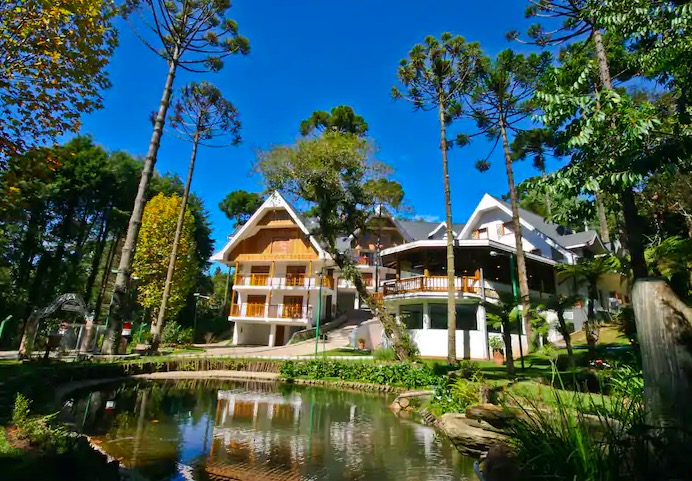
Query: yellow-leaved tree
x=153, y=251
x=53, y=59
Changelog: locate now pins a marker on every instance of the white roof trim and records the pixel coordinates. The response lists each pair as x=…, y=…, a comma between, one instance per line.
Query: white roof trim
x=275, y=200
x=440, y=226
x=468, y=228
x=491, y=244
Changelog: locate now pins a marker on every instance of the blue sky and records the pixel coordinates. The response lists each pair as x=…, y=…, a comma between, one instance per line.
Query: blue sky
x=313, y=55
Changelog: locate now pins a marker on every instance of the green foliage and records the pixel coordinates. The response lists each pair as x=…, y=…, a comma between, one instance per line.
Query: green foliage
x=456, y=396
x=173, y=333
x=239, y=205
x=341, y=119
x=384, y=354
x=496, y=343
x=153, y=251
x=569, y=443
x=399, y=374
x=21, y=411
x=55, y=56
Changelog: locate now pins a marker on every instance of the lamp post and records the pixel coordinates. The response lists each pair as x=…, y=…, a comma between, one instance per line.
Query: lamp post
x=319, y=311
x=194, y=322
x=515, y=294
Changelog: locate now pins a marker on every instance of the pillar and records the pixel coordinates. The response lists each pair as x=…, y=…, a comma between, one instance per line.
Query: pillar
x=483, y=328
x=272, y=335
x=426, y=315
x=236, y=333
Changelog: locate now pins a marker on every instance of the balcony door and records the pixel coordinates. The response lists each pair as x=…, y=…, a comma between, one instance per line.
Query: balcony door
x=295, y=276
x=259, y=275
x=255, y=306
x=293, y=307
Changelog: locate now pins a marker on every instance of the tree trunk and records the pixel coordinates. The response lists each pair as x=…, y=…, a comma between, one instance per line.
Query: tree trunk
x=633, y=230
x=158, y=325
x=602, y=220
x=548, y=203
x=118, y=308
x=602, y=59
x=592, y=327
x=566, y=337
x=98, y=256
x=106, y=274
x=451, y=290
x=664, y=330
x=521, y=259
x=509, y=352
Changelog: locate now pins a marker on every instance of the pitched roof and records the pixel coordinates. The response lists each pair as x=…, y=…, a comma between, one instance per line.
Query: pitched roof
x=564, y=236
x=421, y=230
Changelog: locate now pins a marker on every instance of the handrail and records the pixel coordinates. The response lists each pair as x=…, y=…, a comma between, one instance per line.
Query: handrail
x=465, y=284
x=272, y=311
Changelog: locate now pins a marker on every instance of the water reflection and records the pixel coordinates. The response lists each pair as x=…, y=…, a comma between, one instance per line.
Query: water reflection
x=253, y=431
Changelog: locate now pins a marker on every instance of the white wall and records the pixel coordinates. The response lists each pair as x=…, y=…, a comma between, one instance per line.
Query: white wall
x=249, y=333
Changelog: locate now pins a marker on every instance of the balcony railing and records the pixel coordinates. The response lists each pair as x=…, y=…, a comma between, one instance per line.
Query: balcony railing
x=430, y=284
x=289, y=280
x=272, y=311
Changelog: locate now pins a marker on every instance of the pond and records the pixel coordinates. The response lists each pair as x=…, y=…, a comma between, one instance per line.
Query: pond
x=217, y=431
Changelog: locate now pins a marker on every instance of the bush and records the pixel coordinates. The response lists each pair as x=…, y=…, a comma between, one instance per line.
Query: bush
x=174, y=334
x=384, y=354
x=399, y=374
x=568, y=443
x=456, y=396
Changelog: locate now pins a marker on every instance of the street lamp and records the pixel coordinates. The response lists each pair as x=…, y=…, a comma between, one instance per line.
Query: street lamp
x=515, y=293
x=194, y=324
x=319, y=273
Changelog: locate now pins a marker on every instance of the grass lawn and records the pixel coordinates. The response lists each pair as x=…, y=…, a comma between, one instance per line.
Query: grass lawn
x=609, y=336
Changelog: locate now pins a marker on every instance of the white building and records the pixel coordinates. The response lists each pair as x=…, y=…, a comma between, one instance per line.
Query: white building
x=284, y=276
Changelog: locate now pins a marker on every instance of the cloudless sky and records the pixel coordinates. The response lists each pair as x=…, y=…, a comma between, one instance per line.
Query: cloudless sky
x=311, y=55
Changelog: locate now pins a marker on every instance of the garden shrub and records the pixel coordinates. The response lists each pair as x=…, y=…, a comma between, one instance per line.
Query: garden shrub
x=384, y=354
x=399, y=374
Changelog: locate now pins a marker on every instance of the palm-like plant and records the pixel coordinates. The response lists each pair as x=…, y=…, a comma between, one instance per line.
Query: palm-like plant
x=503, y=314
x=588, y=271
x=559, y=304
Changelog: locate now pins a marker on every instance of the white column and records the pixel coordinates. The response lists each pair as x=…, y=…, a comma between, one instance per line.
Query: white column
x=272, y=335
x=483, y=328
x=426, y=315
x=236, y=333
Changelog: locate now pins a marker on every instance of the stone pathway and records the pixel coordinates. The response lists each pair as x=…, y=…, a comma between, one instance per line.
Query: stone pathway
x=218, y=374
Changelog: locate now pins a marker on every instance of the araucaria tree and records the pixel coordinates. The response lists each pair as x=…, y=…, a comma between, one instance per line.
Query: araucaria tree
x=53, y=58
x=330, y=173
x=435, y=76
x=204, y=117
x=153, y=248
x=193, y=35
x=239, y=206
x=341, y=119
x=502, y=100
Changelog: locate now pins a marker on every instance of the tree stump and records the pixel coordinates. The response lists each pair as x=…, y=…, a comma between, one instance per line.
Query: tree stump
x=664, y=327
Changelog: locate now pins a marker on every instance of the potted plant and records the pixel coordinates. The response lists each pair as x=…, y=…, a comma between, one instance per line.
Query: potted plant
x=361, y=343
x=498, y=346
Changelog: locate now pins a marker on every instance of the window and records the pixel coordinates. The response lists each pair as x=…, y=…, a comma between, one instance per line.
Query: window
x=507, y=228
x=481, y=233
x=466, y=316
x=412, y=316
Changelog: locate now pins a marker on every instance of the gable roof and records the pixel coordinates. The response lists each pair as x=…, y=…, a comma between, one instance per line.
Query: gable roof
x=274, y=201
x=421, y=230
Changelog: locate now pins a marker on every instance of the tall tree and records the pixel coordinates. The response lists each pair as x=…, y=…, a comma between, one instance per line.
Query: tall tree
x=434, y=76
x=153, y=249
x=539, y=144
x=193, y=35
x=502, y=101
x=239, y=205
x=341, y=119
x=329, y=173
x=502, y=315
x=53, y=59
x=202, y=116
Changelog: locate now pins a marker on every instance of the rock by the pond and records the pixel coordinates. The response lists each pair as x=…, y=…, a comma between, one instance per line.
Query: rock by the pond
x=466, y=436
x=497, y=416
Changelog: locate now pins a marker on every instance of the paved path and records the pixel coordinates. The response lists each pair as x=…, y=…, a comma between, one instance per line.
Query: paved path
x=5, y=355
x=265, y=376
x=337, y=338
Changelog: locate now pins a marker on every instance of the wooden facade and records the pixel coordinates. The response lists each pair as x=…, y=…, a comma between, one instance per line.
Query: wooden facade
x=285, y=243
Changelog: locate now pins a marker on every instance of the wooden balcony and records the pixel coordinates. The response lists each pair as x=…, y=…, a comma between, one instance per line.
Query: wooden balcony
x=272, y=311
x=253, y=280
x=415, y=284
x=295, y=280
